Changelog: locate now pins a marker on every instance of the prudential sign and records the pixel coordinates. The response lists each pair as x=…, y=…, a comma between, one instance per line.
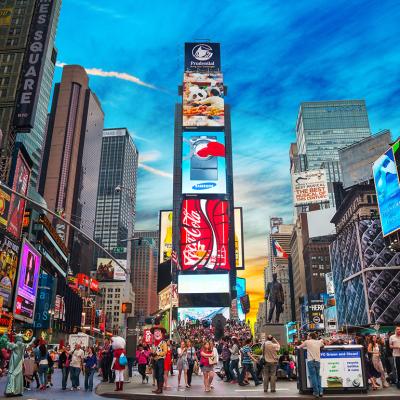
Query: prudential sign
x=202, y=56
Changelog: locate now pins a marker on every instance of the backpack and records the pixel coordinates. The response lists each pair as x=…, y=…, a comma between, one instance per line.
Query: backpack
x=122, y=360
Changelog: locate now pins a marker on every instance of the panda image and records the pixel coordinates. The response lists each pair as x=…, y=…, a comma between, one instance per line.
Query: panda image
x=196, y=94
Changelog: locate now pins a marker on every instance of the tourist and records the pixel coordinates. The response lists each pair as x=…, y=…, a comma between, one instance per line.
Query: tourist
x=142, y=358
x=375, y=350
x=29, y=370
x=206, y=353
x=76, y=366
x=213, y=361
x=106, y=361
x=43, y=366
x=286, y=363
x=234, y=363
x=247, y=364
x=182, y=364
x=167, y=364
x=192, y=359
x=372, y=373
x=270, y=351
x=90, y=368
x=313, y=346
x=63, y=366
x=394, y=343
x=226, y=358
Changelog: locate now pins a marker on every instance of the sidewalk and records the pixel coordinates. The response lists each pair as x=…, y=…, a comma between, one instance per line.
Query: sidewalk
x=285, y=390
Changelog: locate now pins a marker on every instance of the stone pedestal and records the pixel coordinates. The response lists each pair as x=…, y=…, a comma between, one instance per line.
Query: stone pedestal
x=278, y=331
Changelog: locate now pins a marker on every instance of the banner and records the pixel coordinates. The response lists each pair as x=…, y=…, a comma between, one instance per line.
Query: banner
x=310, y=187
x=8, y=270
x=316, y=315
x=204, y=235
x=202, y=56
x=109, y=270
x=239, y=248
x=165, y=227
x=164, y=297
x=4, y=207
x=44, y=297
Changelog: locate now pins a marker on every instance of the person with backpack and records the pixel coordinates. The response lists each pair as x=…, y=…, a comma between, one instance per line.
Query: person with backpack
x=119, y=361
x=270, y=349
x=90, y=368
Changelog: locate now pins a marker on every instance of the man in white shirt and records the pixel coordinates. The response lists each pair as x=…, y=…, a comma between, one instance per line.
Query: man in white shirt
x=76, y=365
x=270, y=350
x=313, y=346
x=394, y=343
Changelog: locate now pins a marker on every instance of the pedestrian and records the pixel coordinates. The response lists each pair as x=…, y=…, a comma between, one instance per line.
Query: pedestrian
x=206, y=353
x=142, y=357
x=36, y=353
x=159, y=351
x=50, y=369
x=286, y=363
x=371, y=372
x=270, y=349
x=168, y=364
x=226, y=358
x=313, y=346
x=29, y=370
x=106, y=361
x=394, y=343
x=375, y=350
x=76, y=366
x=182, y=364
x=234, y=363
x=63, y=365
x=90, y=368
x=213, y=361
x=192, y=359
x=389, y=361
x=247, y=364
x=119, y=361
x=43, y=366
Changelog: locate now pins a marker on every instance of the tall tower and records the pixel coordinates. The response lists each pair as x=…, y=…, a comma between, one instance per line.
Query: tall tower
x=203, y=204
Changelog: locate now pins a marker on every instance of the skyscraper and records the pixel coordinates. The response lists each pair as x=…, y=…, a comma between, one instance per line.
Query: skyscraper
x=71, y=160
x=17, y=33
x=116, y=196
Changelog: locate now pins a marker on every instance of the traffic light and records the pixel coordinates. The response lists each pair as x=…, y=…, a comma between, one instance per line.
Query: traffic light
x=126, y=308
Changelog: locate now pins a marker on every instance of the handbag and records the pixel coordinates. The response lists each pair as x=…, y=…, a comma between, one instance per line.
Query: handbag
x=122, y=360
x=212, y=360
x=196, y=368
x=149, y=369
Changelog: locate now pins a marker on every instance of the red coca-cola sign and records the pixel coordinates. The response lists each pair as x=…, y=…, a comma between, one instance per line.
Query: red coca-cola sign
x=205, y=235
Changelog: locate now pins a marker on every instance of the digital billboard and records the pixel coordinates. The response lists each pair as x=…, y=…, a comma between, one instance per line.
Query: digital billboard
x=8, y=270
x=28, y=279
x=396, y=153
x=109, y=270
x=203, y=283
x=388, y=191
x=201, y=313
x=204, y=235
x=17, y=204
x=203, y=163
x=165, y=226
x=316, y=315
x=240, y=292
x=203, y=99
x=239, y=248
x=310, y=187
x=202, y=56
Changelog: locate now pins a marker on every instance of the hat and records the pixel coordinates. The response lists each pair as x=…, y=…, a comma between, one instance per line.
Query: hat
x=159, y=327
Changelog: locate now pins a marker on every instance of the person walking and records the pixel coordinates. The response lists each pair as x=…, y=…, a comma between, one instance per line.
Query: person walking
x=142, y=357
x=213, y=361
x=313, y=346
x=270, y=351
x=226, y=358
x=192, y=359
x=247, y=364
x=90, y=368
x=182, y=364
x=374, y=349
x=234, y=363
x=206, y=353
x=168, y=361
x=394, y=344
x=106, y=361
x=63, y=366
x=76, y=366
x=43, y=366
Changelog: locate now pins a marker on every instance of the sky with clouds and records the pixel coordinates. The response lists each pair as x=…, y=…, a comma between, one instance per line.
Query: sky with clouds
x=274, y=55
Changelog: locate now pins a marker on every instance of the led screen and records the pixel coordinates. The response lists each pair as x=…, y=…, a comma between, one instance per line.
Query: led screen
x=239, y=250
x=165, y=250
x=241, y=291
x=204, y=235
x=203, y=99
x=202, y=56
x=218, y=283
x=203, y=163
x=8, y=270
x=201, y=313
x=388, y=191
x=28, y=278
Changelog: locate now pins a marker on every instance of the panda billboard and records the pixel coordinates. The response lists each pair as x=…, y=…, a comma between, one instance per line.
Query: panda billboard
x=203, y=99
x=202, y=56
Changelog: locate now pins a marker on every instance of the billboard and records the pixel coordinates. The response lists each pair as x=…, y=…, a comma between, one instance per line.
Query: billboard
x=203, y=99
x=20, y=184
x=241, y=292
x=165, y=227
x=109, y=270
x=396, y=153
x=27, y=283
x=316, y=315
x=4, y=207
x=204, y=235
x=203, y=163
x=32, y=70
x=388, y=191
x=8, y=270
x=164, y=297
x=218, y=283
x=310, y=187
x=202, y=56
x=239, y=248
x=201, y=313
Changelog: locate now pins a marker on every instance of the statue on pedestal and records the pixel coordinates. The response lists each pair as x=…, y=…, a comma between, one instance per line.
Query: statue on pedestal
x=275, y=295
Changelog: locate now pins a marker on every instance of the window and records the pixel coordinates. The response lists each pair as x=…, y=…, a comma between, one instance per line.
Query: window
x=12, y=42
x=3, y=92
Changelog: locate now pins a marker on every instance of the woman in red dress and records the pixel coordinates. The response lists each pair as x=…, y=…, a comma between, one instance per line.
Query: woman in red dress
x=167, y=365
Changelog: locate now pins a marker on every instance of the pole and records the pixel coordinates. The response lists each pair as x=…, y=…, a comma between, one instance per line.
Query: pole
x=170, y=302
x=4, y=186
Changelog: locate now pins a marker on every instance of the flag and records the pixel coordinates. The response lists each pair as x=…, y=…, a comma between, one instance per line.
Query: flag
x=278, y=250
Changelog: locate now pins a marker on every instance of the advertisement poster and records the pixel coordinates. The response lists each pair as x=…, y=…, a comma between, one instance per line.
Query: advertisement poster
x=388, y=191
x=165, y=250
x=310, y=187
x=239, y=248
x=203, y=163
x=201, y=313
x=28, y=279
x=147, y=337
x=316, y=315
x=340, y=369
x=4, y=207
x=44, y=295
x=241, y=292
x=396, y=153
x=164, y=297
x=206, y=56
x=8, y=270
x=203, y=99
x=17, y=205
x=205, y=235
x=109, y=270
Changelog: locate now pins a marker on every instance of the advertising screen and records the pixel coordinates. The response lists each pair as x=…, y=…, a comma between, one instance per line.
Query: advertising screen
x=203, y=99
x=28, y=279
x=165, y=227
x=201, y=313
x=8, y=270
x=310, y=187
x=204, y=235
x=4, y=207
x=218, y=283
x=388, y=191
x=396, y=153
x=203, y=163
x=241, y=292
x=316, y=315
x=239, y=248
x=17, y=205
x=109, y=270
x=206, y=56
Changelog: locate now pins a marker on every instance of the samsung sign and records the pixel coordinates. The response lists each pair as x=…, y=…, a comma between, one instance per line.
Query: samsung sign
x=32, y=71
x=202, y=56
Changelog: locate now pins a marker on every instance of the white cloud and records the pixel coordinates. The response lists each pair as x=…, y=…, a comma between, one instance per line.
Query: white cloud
x=155, y=171
x=149, y=156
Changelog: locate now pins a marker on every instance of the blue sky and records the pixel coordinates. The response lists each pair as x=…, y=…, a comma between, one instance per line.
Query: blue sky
x=274, y=55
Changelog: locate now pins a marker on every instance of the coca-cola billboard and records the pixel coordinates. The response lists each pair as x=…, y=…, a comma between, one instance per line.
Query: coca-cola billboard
x=205, y=235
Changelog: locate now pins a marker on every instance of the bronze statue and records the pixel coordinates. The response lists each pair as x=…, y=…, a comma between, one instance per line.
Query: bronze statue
x=275, y=295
